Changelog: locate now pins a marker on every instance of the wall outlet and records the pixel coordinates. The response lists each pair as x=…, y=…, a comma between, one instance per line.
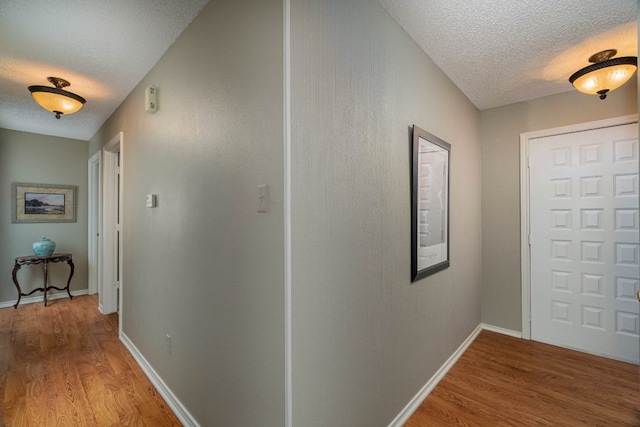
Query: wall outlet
x=168, y=337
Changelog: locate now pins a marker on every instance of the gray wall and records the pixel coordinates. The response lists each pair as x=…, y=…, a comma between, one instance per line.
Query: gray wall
x=501, y=129
x=207, y=269
x=32, y=158
x=204, y=266
x=366, y=339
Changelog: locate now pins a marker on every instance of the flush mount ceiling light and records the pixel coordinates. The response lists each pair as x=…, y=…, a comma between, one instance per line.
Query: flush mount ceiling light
x=605, y=74
x=55, y=99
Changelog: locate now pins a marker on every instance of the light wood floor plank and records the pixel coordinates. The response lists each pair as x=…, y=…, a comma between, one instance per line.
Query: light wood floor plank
x=64, y=365
x=506, y=381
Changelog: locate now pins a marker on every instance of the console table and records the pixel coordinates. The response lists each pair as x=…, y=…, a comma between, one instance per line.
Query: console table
x=44, y=260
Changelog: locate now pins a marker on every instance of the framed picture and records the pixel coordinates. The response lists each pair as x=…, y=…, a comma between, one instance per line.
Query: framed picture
x=431, y=160
x=43, y=203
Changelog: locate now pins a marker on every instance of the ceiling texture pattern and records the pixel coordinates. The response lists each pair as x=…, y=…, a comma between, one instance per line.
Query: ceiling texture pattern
x=503, y=51
x=496, y=51
x=103, y=48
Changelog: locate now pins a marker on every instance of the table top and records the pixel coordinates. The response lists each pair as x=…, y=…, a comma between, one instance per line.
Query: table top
x=37, y=259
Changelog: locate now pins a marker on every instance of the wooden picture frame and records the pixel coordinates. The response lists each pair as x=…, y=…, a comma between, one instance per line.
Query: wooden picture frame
x=43, y=203
x=431, y=162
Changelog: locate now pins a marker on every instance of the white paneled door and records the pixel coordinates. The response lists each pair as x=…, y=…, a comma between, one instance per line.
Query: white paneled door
x=585, y=253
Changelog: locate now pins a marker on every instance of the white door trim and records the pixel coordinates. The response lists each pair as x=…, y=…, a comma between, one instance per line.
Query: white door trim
x=288, y=380
x=94, y=222
x=525, y=260
x=109, y=299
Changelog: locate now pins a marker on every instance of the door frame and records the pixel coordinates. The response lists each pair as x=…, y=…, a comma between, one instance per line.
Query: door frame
x=111, y=299
x=525, y=248
x=94, y=200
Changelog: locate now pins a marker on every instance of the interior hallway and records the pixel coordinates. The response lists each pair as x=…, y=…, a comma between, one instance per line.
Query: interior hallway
x=64, y=365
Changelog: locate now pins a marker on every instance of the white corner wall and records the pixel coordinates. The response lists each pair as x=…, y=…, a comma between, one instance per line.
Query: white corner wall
x=205, y=268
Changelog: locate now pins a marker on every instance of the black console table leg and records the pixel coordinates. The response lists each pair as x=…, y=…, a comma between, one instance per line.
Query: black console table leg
x=16, y=267
x=71, y=266
x=46, y=277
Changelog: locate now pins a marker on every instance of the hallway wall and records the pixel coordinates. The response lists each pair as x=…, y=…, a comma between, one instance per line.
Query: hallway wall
x=365, y=338
x=204, y=266
x=41, y=159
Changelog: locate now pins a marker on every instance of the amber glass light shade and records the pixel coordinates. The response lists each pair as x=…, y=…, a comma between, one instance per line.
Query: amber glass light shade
x=55, y=99
x=604, y=76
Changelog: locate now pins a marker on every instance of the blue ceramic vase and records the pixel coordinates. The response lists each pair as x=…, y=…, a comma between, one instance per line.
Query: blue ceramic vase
x=44, y=247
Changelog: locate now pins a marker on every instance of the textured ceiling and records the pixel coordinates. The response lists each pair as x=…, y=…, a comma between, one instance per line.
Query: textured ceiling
x=503, y=51
x=497, y=51
x=104, y=48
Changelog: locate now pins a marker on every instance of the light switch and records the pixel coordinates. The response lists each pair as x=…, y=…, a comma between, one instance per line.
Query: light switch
x=152, y=200
x=263, y=198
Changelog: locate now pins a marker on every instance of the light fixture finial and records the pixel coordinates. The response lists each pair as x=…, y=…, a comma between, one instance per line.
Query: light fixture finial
x=603, y=55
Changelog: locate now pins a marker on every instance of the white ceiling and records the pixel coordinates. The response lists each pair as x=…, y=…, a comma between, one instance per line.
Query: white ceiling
x=497, y=51
x=503, y=51
x=103, y=48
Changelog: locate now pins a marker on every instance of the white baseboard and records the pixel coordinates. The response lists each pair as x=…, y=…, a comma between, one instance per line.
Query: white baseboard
x=40, y=298
x=417, y=400
x=176, y=406
x=502, y=331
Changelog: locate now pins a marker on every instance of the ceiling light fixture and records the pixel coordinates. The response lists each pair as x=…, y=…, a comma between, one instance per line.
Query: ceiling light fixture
x=55, y=99
x=605, y=74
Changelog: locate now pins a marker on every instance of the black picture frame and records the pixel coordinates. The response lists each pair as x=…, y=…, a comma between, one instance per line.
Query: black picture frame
x=431, y=165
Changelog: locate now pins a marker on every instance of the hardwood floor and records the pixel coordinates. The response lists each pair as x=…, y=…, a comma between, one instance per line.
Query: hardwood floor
x=63, y=365
x=505, y=381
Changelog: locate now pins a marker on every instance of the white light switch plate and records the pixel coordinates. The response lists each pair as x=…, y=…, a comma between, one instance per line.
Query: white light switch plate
x=152, y=200
x=263, y=198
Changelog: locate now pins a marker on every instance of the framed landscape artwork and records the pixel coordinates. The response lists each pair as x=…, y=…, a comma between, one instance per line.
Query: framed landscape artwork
x=43, y=203
x=429, y=204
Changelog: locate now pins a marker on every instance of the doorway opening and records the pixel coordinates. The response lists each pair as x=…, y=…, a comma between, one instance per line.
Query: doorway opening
x=105, y=229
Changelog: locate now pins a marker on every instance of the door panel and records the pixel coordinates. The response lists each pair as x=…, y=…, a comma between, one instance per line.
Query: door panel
x=585, y=254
